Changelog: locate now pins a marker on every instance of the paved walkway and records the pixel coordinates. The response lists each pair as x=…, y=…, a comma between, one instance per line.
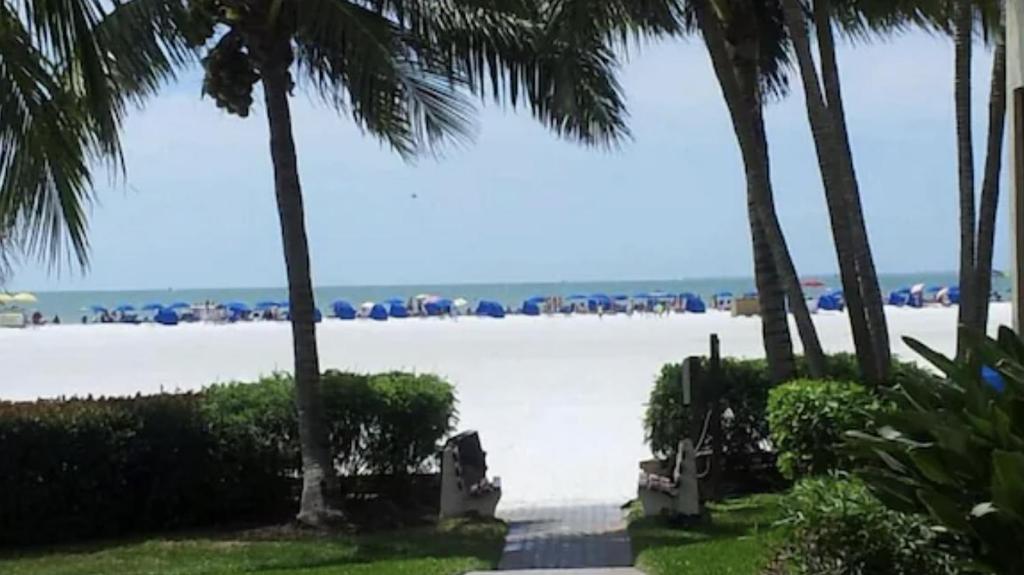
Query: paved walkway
x=573, y=537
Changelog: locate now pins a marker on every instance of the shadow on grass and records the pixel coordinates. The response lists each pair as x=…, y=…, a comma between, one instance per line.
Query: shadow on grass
x=736, y=529
x=475, y=543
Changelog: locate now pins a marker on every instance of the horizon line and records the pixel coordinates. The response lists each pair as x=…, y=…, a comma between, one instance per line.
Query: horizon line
x=460, y=283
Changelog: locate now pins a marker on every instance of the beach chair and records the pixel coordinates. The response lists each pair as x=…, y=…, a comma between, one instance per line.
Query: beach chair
x=465, y=489
x=672, y=491
x=746, y=306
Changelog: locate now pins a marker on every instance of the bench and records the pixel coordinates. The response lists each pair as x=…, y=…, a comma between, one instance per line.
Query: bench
x=465, y=488
x=671, y=489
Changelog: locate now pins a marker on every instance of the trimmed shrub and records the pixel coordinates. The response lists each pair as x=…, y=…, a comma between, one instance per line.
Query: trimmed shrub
x=745, y=392
x=85, y=468
x=837, y=527
x=388, y=423
x=808, y=419
x=88, y=468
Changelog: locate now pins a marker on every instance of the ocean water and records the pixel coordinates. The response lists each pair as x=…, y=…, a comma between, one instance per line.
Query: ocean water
x=72, y=305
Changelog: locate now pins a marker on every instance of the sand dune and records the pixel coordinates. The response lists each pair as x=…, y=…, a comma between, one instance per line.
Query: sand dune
x=558, y=401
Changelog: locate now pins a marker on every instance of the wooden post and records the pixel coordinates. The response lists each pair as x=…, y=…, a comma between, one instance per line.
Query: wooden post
x=713, y=394
x=1015, y=142
x=1017, y=207
x=693, y=397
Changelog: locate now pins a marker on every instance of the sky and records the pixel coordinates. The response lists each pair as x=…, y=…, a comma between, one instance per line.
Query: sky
x=519, y=204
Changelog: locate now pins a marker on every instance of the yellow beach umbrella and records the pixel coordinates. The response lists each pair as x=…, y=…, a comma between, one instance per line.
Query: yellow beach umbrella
x=24, y=297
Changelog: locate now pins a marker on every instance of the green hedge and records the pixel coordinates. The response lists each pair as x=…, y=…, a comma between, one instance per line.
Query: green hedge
x=837, y=527
x=382, y=424
x=85, y=468
x=808, y=419
x=745, y=387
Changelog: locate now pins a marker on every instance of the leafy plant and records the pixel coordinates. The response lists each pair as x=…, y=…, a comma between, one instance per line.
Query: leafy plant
x=808, y=418
x=745, y=387
x=837, y=527
x=955, y=449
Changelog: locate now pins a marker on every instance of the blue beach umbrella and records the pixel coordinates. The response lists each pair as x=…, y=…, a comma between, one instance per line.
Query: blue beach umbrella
x=343, y=310
x=397, y=309
x=237, y=306
x=531, y=308
x=166, y=316
x=379, y=313
x=620, y=297
x=490, y=309
x=180, y=305
x=265, y=305
x=537, y=299
x=394, y=301
x=124, y=307
x=578, y=297
x=97, y=309
x=152, y=307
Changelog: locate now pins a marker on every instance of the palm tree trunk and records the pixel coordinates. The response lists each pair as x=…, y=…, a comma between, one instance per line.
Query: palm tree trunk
x=825, y=142
x=764, y=199
x=778, y=343
x=319, y=483
x=964, y=25
x=990, y=183
x=874, y=307
x=740, y=90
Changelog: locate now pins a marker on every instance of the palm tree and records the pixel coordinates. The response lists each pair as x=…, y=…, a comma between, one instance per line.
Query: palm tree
x=397, y=67
x=977, y=229
x=835, y=160
x=66, y=81
x=748, y=56
x=989, y=204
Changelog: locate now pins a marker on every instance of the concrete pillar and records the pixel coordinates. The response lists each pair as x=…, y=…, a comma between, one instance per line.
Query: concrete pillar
x=1015, y=116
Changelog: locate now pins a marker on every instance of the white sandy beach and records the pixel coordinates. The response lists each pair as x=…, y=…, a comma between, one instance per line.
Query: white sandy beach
x=558, y=401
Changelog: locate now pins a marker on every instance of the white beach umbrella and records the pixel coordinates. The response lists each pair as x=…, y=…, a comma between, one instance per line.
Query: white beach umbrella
x=918, y=288
x=24, y=297
x=6, y=298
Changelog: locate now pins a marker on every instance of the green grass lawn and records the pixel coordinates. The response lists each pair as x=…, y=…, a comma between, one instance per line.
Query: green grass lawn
x=453, y=548
x=739, y=540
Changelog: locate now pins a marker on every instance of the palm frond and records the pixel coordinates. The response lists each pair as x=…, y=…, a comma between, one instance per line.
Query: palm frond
x=64, y=32
x=360, y=60
x=559, y=58
x=863, y=20
x=145, y=43
x=44, y=177
x=757, y=37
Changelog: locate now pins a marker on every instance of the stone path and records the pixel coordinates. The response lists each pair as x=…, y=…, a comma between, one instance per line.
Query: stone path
x=574, y=537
